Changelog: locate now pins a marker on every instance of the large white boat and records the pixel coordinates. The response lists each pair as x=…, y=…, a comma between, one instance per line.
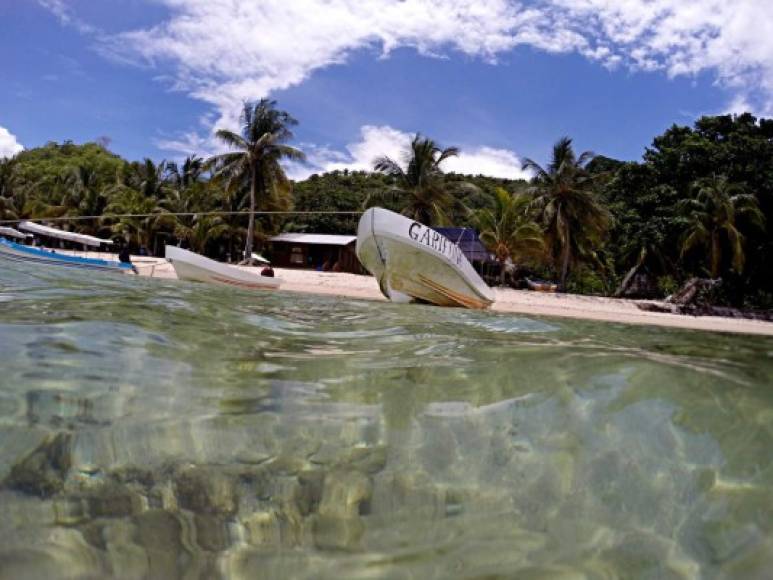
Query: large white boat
x=191, y=266
x=414, y=262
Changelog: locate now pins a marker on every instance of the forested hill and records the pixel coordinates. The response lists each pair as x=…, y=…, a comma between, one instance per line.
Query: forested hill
x=344, y=190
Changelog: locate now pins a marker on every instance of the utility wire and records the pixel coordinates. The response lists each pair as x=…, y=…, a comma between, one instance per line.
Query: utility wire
x=163, y=214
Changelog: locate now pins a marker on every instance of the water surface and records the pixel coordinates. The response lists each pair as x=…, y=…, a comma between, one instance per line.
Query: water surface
x=160, y=429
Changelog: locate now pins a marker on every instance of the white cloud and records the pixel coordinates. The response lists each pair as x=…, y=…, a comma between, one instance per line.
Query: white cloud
x=9, y=146
x=488, y=161
x=226, y=51
x=734, y=40
x=63, y=12
x=386, y=141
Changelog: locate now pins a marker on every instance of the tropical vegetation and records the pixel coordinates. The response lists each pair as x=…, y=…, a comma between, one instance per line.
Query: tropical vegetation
x=418, y=186
x=260, y=146
x=698, y=203
x=566, y=202
x=509, y=230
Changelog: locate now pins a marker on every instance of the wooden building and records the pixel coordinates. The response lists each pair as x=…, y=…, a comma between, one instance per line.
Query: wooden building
x=324, y=252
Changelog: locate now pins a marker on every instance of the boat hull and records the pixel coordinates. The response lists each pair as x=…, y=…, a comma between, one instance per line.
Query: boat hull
x=13, y=252
x=196, y=268
x=414, y=262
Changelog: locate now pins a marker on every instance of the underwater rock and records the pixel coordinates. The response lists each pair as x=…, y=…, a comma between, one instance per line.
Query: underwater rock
x=18, y=441
x=413, y=493
x=127, y=560
x=262, y=529
x=69, y=511
x=369, y=460
x=335, y=533
x=648, y=555
x=113, y=500
x=43, y=471
x=754, y=563
x=131, y=474
x=159, y=533
x=211, y=532
x=287, y=465
x=309, y=492
x=206, y=490
x=344, y=492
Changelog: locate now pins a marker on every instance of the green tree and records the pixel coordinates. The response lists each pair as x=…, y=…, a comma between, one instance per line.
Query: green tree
x=567, y=206
x=84, y=195
x=139, y=219
x=714, y=217
x=508, y=230
x=204, y=229
x=419, y=188
x=9, y=189
x=147, y=178
x=259, y=149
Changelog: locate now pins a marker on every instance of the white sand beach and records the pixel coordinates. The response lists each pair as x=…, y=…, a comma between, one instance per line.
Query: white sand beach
x=507, y=300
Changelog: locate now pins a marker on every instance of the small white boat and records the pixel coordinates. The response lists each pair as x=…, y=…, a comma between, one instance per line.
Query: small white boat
x=414, y=262
x=191, y=266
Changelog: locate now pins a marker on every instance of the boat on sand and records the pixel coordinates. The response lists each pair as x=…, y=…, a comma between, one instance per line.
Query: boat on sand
x=195, y=267
x=14, y=252
x=541, y=285
x=414, y=262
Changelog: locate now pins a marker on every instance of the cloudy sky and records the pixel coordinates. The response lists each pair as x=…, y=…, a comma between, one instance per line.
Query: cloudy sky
x=501, y=79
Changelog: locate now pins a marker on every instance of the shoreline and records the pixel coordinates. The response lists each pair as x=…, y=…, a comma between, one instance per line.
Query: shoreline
x=508, y=300
x=528, y=302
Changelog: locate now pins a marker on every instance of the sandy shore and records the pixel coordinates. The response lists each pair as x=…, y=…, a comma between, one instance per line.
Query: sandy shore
x=507, y=299
x=528, y=302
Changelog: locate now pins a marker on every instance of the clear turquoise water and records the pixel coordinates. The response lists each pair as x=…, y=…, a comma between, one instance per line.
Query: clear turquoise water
x=163, y=429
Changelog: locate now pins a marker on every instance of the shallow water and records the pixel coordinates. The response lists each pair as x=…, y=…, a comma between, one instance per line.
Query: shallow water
x=163, y=429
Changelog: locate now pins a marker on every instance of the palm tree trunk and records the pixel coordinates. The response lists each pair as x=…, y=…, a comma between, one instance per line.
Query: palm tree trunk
x=566, y=253
x=251, y=222
x=716, y=254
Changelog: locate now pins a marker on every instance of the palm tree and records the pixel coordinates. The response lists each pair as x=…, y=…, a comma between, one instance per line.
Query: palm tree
x=419, y=186
x=205, y=228
x=185, y=195
x=83, y=196
x=573, y=218
x=16, y=198
x=140, y=215
x=148, y=179
x=9, y=209
x=259, y=149
x=187, y=174
x=713, y=221
x=508, y=229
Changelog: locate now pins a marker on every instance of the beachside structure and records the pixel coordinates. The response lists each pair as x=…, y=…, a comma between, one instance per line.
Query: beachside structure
x=63, y=235
x=473, y=249
x=13, y=234
x=326, y=252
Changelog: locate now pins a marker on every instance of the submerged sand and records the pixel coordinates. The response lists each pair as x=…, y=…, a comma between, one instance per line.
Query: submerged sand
x=507, y=299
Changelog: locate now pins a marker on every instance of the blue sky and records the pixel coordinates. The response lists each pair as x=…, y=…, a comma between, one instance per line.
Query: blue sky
x=500, y=79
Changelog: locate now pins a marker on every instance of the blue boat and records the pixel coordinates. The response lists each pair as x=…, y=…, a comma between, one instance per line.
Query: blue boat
x=28, y=254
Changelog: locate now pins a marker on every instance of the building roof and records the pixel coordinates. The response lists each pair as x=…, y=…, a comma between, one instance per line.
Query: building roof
x=63, y=235
x=468, y=241
x=319, y=239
